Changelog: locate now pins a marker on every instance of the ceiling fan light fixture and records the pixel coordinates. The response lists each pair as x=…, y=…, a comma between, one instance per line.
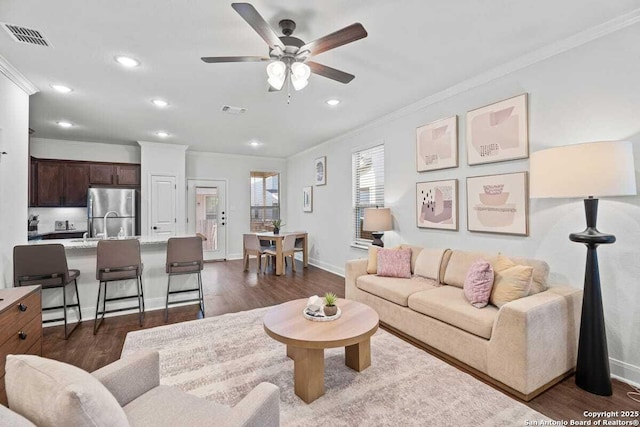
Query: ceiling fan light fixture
x=276, y=71
x=298, y=82
x=300, y=70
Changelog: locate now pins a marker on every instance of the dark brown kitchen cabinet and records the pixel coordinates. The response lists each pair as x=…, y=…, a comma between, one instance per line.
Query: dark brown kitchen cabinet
x=62, y=184
x=101, y=174
x=114, y=174
x=50, y=178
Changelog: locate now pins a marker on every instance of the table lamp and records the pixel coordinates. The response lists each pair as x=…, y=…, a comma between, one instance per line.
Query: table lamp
x=590, y=170
x=377, y=220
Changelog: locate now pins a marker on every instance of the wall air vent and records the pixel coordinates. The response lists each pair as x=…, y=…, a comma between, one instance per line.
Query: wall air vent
x=25, y=35
x=233, y=110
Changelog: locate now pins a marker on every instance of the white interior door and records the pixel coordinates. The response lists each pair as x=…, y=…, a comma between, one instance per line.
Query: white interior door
x=207, y=215
x=163, y=205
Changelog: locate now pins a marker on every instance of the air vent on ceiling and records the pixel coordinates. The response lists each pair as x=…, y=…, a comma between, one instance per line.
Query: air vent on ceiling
x=233, y=110
x=25, y=35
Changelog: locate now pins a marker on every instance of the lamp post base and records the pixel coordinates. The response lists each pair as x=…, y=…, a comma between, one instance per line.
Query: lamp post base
x=377, y=239
x=592, y=366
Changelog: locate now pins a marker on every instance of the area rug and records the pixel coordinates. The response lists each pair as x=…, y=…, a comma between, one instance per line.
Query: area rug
x=222, y=358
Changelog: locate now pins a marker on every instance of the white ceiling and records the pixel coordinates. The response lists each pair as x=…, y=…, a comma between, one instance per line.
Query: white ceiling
x=415, y=48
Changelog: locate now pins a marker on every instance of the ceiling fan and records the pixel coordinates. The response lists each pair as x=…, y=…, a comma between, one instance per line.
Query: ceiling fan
x=288, y=55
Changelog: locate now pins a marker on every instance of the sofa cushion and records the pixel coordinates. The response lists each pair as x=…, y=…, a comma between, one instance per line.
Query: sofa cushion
x=372, y=262
x=394, y=263
x=459, y=264
x=169, y=406
x=511, y=281
x=478, y=283
x=448, y=304
x=392, y=289
x=540, y=273
x=415, y=252
x=64, y=396
x=428, y=263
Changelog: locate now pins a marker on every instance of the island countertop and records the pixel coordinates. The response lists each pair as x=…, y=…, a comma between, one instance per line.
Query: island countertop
x=92, y=243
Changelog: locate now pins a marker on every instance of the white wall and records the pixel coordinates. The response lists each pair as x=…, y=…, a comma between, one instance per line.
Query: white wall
x=14, y=167
x=236, y=170
x=44, y=148
x=589, y=93
x=162, y=159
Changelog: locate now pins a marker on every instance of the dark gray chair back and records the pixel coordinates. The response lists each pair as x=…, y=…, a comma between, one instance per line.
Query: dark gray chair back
x=44, y=265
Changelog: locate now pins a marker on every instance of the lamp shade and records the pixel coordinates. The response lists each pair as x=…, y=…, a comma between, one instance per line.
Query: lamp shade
x=377, y=219
x=597, y=169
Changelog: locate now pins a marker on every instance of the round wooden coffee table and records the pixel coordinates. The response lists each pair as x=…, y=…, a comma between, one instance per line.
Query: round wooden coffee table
x=307, y=339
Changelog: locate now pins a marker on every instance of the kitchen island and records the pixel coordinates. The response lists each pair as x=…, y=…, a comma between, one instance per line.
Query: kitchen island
x=81, y=255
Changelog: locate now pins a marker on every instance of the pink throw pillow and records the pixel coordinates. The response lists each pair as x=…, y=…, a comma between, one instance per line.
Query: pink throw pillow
x=478, y=283
x=394, y=263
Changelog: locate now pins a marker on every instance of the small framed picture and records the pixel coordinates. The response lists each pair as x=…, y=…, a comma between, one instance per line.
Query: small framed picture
x=437, y=204
x=307, y=199
x=320, y=169
x=498, y=204
x=437, y=145
x=498, y=132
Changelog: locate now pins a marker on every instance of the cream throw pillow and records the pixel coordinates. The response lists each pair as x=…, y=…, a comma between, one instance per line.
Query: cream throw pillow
x=511, y=281
x=372, y=263
x=52, y=394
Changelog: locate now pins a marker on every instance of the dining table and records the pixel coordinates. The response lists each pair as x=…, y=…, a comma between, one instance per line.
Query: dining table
x=277, y=239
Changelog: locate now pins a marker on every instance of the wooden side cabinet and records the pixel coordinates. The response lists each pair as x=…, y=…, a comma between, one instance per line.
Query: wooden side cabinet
x=20, y=326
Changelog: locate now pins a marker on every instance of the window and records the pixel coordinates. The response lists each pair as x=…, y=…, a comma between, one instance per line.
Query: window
x=368, y=187
x=265, y=200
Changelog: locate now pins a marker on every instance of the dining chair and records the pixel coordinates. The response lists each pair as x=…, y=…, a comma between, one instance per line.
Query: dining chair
x=118, y=260
x=46, y=265
x=184, y=256
x=288, y=249
x=252, y=247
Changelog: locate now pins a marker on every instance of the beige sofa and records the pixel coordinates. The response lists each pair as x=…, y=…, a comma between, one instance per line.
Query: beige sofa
x=524, y=347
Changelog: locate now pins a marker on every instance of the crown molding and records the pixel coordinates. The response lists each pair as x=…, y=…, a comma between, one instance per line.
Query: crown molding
x=163, y=145
x=539, y=55
x=17, y=77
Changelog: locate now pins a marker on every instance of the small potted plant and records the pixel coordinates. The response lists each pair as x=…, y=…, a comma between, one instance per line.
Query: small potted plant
x=276, y=225
x=330, y=307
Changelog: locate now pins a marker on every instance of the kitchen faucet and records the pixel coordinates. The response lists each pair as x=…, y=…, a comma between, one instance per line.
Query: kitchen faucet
x=106, y=234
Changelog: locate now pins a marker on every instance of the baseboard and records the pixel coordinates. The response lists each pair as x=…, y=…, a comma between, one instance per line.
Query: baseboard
x=625, y=372
x=90, y=313
x=325, y=266
x=234, y=256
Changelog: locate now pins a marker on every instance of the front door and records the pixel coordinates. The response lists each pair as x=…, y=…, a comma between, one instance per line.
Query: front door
x=207, y=215
x=163, y=205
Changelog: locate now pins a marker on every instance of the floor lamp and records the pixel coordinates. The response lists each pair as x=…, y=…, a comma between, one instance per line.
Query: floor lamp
x=591, y=170
x=377, y=220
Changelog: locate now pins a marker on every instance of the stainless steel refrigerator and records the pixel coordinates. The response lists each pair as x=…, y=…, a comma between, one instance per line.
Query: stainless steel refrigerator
x=122, y=207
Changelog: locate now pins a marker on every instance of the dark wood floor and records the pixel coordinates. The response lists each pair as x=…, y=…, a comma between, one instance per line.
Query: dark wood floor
x=229, y=289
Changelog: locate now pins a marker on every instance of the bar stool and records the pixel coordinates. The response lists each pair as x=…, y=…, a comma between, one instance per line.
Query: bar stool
x=118, y=260
x=184, y=256
x=46, y=265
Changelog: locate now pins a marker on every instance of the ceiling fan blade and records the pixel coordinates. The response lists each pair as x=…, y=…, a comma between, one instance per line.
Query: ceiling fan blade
x=341, y=37
x=216, y=59
x=330, y=73
x=257, y=22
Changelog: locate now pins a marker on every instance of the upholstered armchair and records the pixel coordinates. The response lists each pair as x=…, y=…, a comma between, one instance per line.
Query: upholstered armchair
x=125, y=393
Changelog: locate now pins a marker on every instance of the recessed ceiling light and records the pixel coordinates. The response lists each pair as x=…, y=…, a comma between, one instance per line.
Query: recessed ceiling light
x=127, y=62
x=254, y=144
x=333, y=102
x=162, y=134
x=62, y=88
x=160, y=103
x=64, y=124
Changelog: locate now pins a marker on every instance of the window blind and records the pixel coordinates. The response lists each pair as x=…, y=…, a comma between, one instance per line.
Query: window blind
x=368, y=187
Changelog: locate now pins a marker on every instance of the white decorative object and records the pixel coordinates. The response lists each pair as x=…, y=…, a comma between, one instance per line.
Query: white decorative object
x=315, y=304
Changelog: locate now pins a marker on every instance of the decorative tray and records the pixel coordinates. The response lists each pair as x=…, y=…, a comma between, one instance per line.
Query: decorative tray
x=319, y=315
